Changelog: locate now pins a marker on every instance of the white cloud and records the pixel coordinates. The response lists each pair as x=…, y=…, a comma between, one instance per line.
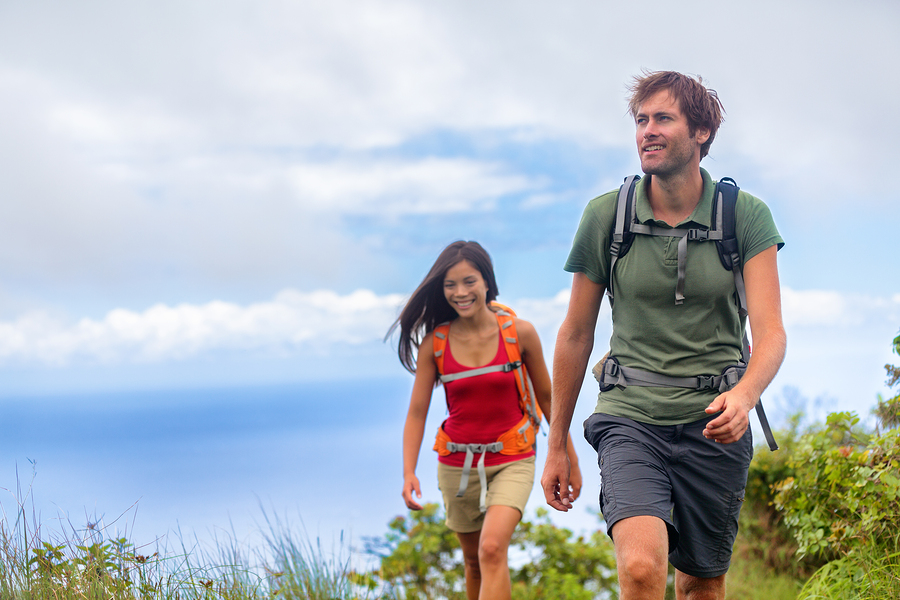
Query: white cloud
x=312, y=322
x=397, y=187
x=113, y=125
x=817, y=308
x=340, y=74
x=317, y=321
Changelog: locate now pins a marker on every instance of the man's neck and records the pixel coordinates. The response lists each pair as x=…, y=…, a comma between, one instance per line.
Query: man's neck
x=674, y=198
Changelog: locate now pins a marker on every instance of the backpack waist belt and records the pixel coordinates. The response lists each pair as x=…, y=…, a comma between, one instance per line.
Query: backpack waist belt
x=613, y=374
x=518, y=440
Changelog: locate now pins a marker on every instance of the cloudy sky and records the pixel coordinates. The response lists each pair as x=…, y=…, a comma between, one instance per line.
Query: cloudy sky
x=204, y=193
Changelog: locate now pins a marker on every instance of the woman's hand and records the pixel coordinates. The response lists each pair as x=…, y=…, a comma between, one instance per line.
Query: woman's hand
x=410, y=487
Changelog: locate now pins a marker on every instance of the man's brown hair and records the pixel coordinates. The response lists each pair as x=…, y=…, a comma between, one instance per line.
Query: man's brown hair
x=699, y=104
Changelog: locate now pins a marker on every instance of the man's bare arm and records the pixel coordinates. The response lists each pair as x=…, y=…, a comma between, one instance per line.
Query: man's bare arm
x=769, y=343
x=570, y=358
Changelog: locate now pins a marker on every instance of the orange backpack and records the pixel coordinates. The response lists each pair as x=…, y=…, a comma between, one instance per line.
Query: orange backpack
x=519, y=439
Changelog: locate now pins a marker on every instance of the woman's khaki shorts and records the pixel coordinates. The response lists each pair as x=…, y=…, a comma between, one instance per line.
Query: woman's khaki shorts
x=508, y=484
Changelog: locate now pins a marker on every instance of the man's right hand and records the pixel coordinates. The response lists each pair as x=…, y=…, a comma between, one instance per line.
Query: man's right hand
x=555, y=481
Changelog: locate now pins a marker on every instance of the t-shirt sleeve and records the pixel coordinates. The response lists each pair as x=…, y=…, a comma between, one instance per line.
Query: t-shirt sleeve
x=590, y=249
x=755, y=227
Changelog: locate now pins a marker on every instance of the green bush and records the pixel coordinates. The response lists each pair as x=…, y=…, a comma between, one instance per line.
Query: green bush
x=845, y=488
x=841, y=502
x=420, y=559
x=562, y=567
x=419, y=556
x=764, y=536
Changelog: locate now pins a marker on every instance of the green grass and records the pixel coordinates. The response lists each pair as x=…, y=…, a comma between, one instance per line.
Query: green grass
x=752, y=579
x=62, y=561
x=94, y=562
x=870, y=572
x=89, y=564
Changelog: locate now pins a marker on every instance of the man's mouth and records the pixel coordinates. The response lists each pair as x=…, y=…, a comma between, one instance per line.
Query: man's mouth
x=653, y=148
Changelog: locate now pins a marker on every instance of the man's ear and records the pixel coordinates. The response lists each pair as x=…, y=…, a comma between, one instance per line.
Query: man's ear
x=701, y=135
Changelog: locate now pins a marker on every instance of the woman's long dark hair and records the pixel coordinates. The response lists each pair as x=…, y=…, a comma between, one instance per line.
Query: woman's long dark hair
x=427, y=307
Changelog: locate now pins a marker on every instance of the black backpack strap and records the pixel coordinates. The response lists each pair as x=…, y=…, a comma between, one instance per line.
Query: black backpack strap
x=723, y=219
x=621, y=235
x=626, y=226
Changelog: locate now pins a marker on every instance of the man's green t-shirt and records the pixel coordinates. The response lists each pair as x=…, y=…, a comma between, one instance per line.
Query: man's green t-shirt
x=703, y=335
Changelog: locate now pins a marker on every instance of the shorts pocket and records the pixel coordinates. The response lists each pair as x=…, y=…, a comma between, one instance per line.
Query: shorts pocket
x=729, y=527
x=607, y=495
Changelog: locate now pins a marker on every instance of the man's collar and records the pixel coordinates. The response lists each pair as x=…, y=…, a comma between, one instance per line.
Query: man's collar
x=701, y=215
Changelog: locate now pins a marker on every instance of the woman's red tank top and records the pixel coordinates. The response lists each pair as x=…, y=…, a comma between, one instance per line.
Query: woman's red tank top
x=481, y=408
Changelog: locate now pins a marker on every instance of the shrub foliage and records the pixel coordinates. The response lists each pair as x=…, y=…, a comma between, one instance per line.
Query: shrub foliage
x=420, y=559
x=841, y=501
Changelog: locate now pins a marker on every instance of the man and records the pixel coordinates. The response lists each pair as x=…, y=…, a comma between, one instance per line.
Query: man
x=673, y=460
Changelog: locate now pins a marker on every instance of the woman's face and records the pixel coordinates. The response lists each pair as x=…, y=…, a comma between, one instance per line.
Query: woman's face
x=464, y=288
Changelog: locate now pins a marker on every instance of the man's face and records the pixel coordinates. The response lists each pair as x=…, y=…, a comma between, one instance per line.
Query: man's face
x=664, y=141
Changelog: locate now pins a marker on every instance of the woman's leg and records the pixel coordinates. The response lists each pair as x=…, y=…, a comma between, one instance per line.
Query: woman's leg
x=499, y=524
x=469, y=544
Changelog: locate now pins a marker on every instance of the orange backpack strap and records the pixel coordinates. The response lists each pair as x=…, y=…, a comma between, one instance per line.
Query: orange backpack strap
x=527, y=397
x=439, y=344
x=441, y=333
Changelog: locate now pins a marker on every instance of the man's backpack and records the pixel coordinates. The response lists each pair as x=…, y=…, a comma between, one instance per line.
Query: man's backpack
x=609, y=373
x=722, y=232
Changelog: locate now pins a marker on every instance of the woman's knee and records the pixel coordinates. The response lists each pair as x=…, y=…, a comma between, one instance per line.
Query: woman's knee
x=492, y=551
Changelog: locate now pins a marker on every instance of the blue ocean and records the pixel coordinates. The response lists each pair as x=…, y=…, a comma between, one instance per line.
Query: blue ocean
x=205, y=460
x=214, y=462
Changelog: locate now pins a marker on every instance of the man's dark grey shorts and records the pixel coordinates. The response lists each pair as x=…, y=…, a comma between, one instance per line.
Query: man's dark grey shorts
x=695, y=485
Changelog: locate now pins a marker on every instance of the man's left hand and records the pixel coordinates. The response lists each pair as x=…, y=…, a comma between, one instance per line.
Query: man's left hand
x=729, y=426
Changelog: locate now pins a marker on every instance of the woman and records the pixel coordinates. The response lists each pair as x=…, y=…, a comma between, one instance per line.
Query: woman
x=483, y=407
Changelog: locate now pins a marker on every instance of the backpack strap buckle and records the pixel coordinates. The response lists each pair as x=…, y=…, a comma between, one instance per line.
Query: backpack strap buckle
x=608, y=374
x=706, y=382
x=731, y=376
